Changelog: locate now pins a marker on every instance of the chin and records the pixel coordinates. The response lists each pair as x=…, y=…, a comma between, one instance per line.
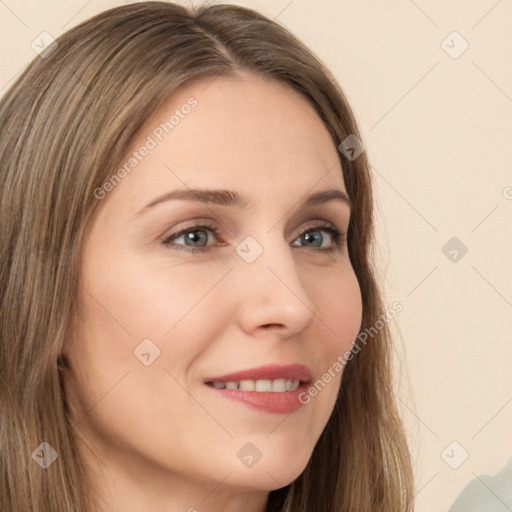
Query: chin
x=265, y=479
x=275, y=466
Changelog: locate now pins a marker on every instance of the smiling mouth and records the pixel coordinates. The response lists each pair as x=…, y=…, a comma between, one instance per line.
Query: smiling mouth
x=259, y=386
x=274, y=389
x=276, y=396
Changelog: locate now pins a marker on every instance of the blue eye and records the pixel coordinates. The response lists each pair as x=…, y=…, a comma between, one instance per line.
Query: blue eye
x=195, y=238
x=191, y=235
x=335, y=234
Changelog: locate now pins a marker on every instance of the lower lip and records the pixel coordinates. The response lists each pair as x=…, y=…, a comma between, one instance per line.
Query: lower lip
x=273, y=403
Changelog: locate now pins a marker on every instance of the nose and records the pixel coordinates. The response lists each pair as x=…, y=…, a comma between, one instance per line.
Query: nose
x=272, y=293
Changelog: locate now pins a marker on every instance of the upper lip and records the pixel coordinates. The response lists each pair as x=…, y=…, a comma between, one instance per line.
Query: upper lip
x=270, y=372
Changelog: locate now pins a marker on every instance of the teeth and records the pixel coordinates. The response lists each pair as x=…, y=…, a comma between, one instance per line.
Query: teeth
x=278, y=385
x=294, y=384
x=261, y=386
x=247, y=385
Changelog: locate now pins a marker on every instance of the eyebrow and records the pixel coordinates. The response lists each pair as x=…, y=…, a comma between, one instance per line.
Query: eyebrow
x=236, y=200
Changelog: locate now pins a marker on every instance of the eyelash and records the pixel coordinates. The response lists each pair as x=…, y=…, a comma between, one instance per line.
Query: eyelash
x=339, y=238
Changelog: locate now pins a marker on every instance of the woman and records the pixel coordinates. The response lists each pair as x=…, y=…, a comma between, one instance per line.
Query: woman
x=185, y=263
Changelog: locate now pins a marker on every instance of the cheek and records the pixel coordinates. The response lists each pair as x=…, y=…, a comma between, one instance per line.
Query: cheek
x=122, y=401
x=136, y=297
x=340, y=311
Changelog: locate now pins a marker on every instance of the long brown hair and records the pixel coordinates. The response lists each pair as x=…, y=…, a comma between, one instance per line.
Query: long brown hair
x=66, y=124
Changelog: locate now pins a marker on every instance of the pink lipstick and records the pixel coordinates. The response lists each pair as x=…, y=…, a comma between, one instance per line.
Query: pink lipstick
x=270, y=388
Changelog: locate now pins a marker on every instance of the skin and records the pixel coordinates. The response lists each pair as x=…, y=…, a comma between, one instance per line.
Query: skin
x=155, y=437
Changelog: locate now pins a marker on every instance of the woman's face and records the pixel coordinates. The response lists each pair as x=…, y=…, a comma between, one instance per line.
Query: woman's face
x=166, y=316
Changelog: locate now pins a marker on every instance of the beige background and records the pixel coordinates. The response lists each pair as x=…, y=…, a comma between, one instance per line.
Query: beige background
x=438, y=131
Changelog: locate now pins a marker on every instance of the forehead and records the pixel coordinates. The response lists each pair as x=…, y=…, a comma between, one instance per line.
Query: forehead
x=250, y=134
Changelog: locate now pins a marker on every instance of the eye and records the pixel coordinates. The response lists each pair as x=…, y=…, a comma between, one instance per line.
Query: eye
x=190, y=234
x=313, y=238
x=195, y=238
